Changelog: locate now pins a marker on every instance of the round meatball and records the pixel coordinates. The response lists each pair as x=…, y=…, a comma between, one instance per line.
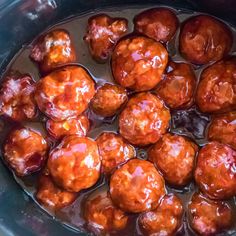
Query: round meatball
x=208, y=217
x=178, y=86
x=204, y=39
x=53, y=50
x=215, y=172
x=101, y=215
x=113, y=150
x=108, y=100
x=17, y=98
x=137, y=186
x=75, y=163
x=174, y=157
x=60, y=129
x=165, y=219
x=223, y=129
x=103, y=32
x=138, y=63
x=65, y=93
x=216, y=90
x=159, y=24
x=25, y=151
x=144, y=120
x=51, y=195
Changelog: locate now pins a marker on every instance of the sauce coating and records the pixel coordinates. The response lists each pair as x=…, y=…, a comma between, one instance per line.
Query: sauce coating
x=144, y=120
x=137, y=186
x=174, y=157
x=75, y=163
x=65, y=93
x=138, y=63
x=215, y=171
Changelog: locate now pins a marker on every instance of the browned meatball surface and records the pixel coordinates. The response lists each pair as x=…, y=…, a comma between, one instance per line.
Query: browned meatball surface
x=60, y=129
x=138, y=63
x=216, y=91
x=50, y=195
x=103, y=32
x=65, y=93
x=25, y=151
x=17, y=98
x=204, y=39
x=215, y=172
x=53, y=50
x=137, y=186
x=144, y=120
x=75, y=163
x=159, y=24
x=174, y=157
x=166, y=219
x=113, y=150
x=177, y=88
x=209, y=217
x=108, y=100
x=101, y=215
x=223, y=129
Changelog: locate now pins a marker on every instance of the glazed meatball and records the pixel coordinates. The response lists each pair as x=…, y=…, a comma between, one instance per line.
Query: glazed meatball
x=75, y=163
x=65, y=93
x=17, y=98
x=216, y=91
x=223, y=129
x=159, y=24
x=113, y=150
x=137, y=186
x=209, y=217
x=138, y=63
x=165, y=219
x=60, y=129
x=178, y=86
x=53, y=50
x=25, y=151
x=215, y=171
x=103, y=32
x=174, y=157
x=102, y=215
x=108, y=100
x=204, y=39
x=50, y=195
x=144, y=120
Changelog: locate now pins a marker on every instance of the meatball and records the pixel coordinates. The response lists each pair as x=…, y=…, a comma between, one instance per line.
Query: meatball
x=102, y=215
x=174, y=157
x=65, y=93
x=216, y=91
x=53, y=50
x=204, y=39
x=113, y=150
x=108, y=100
x=208, y=217
x=75, y=163
x=103, y=32
x=25, y=151
x=17, y=97
x=223, y=129
x=144, y=120
x=137, y=186
x=51, y=195
x=159, y=24
x=165, y=219
x=59, y=129
x=215, y=172
x=138, y=63
x=178, y=86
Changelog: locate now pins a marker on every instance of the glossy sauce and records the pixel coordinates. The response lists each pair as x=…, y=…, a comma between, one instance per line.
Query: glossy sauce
x=190, y=123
